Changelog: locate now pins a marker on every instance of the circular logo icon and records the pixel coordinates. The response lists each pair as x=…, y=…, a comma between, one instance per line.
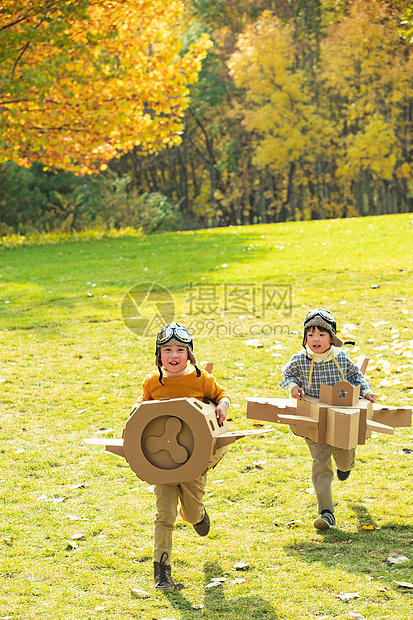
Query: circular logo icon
x=146, y=308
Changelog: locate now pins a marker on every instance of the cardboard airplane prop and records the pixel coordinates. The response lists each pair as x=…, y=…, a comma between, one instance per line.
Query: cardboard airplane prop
x=339, y=417
x=173, y=440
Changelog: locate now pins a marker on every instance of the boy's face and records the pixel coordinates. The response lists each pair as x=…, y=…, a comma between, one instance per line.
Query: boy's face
x=174, y=357
x=317, y=340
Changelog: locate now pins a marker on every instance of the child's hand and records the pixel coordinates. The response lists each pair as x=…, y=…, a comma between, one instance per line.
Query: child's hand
x=297, y=392
x=371, y=397
x=221, y=412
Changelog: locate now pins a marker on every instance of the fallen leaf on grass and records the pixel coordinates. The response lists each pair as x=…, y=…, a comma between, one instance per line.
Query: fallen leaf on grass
x=50, y=550
x=239, y=580
x=293, y=522
x=347, y=596
x=80, y=485
x=396, y=558
x=55, y=500
x=404, y=584
x=356, y=616
x=389, y=382
x=200, y=606
x=71, y=545
x=241, y=566
x=78, y=537
x=259, y=464
x=216, y=581
x=136, y=593
x=105, y=431
x=368, y=527
x=254, y=342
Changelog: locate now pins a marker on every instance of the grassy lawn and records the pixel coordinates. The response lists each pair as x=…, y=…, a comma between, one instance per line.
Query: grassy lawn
x=76, y=524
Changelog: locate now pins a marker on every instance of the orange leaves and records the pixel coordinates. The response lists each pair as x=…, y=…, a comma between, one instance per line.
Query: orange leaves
x=117, y=79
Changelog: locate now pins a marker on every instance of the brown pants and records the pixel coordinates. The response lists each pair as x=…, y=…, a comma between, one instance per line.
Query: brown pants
x=190, y=495
x=322, y=471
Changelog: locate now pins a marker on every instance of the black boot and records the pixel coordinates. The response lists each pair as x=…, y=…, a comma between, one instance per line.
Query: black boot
x=162, y=574
x=202, y=528
x=343, y=475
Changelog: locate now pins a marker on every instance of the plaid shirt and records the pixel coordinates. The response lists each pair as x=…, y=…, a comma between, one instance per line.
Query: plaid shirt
x=297, y=370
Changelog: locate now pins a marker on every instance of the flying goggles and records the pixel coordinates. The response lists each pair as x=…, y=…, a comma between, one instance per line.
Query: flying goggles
x=174, y=330
x=323, y=314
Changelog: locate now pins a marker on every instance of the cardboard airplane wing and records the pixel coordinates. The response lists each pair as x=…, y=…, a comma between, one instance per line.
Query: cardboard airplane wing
x=173, y=440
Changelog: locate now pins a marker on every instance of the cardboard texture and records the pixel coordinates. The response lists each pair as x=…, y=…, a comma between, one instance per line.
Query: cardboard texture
x=362, y=363
x=342, y=429
x=393, y=416
x=173, y=440
x=324, y=422
x=312, y=423
x=341, y=394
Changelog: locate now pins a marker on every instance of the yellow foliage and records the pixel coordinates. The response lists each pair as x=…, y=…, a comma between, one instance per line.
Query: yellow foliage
x=374, y=150
x=119, y=80
x=278, y=100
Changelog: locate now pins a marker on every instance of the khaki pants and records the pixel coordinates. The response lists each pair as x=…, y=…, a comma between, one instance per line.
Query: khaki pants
x=190, y=495
x=322, y=471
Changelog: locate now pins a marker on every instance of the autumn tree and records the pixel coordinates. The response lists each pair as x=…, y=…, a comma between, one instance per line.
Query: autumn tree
x=280, y=112
x=335, y=134
x=82, y=82
x=367, y=73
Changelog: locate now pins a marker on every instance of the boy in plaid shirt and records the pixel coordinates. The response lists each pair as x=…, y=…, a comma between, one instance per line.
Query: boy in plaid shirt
x=323, y=362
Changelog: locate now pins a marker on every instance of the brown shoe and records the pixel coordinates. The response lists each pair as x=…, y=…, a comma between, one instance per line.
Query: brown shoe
x=202, y=527
x=162, y=574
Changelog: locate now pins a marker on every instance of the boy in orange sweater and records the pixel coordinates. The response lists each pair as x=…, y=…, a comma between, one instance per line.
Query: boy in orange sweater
x=175, y=378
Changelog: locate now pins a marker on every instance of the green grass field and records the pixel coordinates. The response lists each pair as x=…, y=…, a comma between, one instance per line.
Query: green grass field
x=77, y=525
